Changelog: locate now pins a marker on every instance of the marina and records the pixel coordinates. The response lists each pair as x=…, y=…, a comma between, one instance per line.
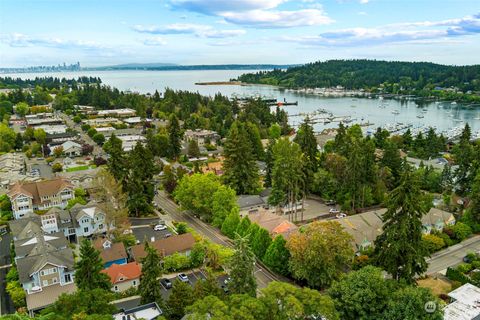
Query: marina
x=326, y=111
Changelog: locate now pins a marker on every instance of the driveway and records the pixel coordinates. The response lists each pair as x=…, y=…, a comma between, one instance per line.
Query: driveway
x=6, y=305
x=147, y=233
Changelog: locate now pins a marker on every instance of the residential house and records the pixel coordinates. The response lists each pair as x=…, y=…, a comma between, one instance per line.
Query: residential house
x=111, y=252
x=90, y=219
x=365, y=227
x=250, y=204
x=70, y=149
x=13, y=169
x=465, y=304
x=147, y=312
x=80, y=179
x=130, y=141
x=273, y=223
x=124, y=276
x=202, y=137
x=176, y=244
x=39, y=195
x=102, y=122
x=45, y=269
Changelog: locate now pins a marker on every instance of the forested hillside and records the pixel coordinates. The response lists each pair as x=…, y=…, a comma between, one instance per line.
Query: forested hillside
x=420, y=78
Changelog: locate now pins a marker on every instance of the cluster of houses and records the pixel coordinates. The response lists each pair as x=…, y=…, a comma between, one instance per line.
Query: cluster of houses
x=44, y=232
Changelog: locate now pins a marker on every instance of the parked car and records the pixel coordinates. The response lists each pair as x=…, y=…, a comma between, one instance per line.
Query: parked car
x=330, y=203
x=334, y=210
x=225, y=289
x=183, y=277
x=166, y=283
x=167, y=235
x=127, y=231
x=160, y=227
x=340, y=215
x=227, y=280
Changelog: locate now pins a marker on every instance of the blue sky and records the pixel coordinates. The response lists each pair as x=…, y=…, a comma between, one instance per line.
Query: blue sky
x=106, y=32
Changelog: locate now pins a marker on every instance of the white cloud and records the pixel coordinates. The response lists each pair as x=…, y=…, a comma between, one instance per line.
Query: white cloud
x=199, y=30
x=257, y=13
x=22, y=40
x=394, y=33
x=278, y=19
x=364, y=1
x=155, y=41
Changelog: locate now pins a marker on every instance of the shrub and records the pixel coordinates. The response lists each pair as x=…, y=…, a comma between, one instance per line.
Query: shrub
x=197, y=255
x=360, y=261
x=176, y=262
x=17, y=294
x=455, y=275
x=433, y=242
x=446, y=239
x=461, y=231
x=181, y=227
x=57, y=167
x=464, y=268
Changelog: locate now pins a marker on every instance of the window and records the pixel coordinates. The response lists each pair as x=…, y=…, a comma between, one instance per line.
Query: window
x=45, y=283
x=134, y=282
x=85, y=230
x=54, y=270
x=54, y=280
x=42, y=273
x=100, y=226
x=68, y=278
x=115, y=288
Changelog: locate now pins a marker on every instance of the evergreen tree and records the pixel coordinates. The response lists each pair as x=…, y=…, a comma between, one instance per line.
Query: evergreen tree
x=466, y=134
x=447, y=179
x=407, y=139
x=193, y=150
x=260, y=242
x=140, y=184
x=252, y=231
x=181, y=297
x=88, y=267
x=255, y=140
x=207, y=287
x=149, y=288
x=475, y=196
x=277, y=256
x=400, y=249
x=391, y=159
x=174, y=136
x=230, y=224
x=242, y=272
x=241, y=170
x=117, y=164
x=308, y=144
x=243, y=226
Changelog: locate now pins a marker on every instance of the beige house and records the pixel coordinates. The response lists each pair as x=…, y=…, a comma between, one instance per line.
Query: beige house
x=124, y=276
x=40, y=195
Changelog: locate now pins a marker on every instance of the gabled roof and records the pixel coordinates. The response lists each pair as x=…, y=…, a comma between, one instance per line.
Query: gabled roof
x=39, y=244
x=273, y=223
x=91, y=209
x=248, y=201
x=26, y=227
x=37, y=190
x=31, y=264
x=165, y=247
x=123, y=272
x=115, y=252
x=70, y=144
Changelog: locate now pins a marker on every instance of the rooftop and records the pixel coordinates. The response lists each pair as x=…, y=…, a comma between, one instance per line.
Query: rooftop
x=165, y=247
x=466, y=305
x=123, y=272
x=48, y=295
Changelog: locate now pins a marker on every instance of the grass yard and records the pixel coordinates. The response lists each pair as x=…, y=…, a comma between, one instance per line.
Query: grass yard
x=80, y=168
x=438, y=286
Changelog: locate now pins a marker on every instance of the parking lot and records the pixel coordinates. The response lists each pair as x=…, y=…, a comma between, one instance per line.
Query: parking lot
x=143, y=233
x=193, y=277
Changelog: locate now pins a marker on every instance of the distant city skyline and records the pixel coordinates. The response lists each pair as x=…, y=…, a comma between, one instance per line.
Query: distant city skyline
x=190, y=32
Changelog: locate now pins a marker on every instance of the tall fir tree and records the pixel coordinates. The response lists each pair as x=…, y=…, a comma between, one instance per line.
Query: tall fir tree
x=308, y=144
x=391, y=159
x=88, y=269
x=181, y=297
x=255, y=141
x=149, y=288
x=117, y=164
x=140, y=184
x=399, y=249
x=240, y=167
x=174, y=136
x=242, y=272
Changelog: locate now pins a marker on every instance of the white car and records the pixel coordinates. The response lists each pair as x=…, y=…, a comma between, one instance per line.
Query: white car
x=183, y=277
x=341, y=215
x=334, y=210
x=160, y=227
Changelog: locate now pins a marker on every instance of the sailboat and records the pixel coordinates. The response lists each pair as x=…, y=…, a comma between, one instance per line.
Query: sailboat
x=396, y=112
x=420, y=116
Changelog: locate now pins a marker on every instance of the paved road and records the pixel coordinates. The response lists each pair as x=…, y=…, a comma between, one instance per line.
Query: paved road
x=263, y=275
x=453, y=255
x=97, y=150
x=6, y=305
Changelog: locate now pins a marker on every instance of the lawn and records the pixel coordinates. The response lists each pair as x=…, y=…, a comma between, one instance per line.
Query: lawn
x=80, y=168
x=438, y=286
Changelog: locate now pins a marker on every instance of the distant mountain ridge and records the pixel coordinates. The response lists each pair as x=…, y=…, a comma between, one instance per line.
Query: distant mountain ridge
x=172, y=66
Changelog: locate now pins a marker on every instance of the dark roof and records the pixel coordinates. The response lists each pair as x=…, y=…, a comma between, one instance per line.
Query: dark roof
x=165, y=247
x=29, y=265
x=248, y=201
x=115, y=252
x=27, y=227
x=40, y=243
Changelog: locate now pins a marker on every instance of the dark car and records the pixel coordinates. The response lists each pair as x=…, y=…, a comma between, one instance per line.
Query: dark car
x=166, y=283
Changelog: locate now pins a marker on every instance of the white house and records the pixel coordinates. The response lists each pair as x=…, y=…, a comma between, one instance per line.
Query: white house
x=70, y=149
x=39, y=195
x=90, y=219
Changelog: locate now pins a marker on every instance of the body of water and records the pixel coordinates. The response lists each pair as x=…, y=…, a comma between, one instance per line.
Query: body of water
x=444, y=116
